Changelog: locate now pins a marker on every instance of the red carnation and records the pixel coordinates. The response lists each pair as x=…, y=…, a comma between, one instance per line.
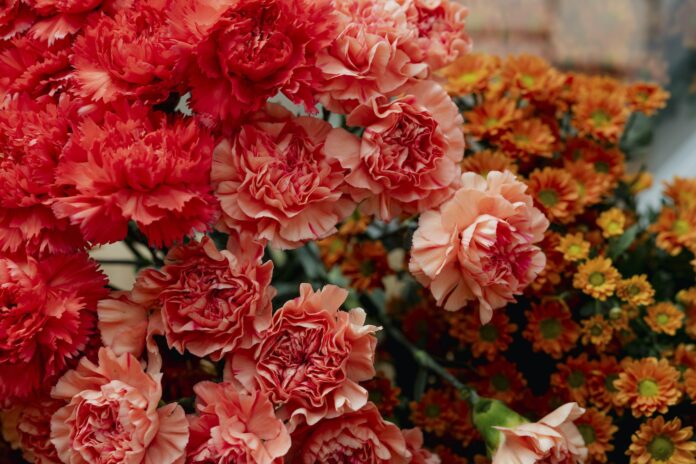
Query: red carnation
x=15, y=17
x=32, y=136
x=249, y=50
x=134, y=164
x=61, y=18
x=132, y=54
x=47, y=314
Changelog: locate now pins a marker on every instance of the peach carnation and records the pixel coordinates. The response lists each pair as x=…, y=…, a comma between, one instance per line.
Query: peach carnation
x=311, y=358
x=408, y=156
x=28, y=427
x=273, y=179
x=479, y=245
x=232, y=426
x=554, y=440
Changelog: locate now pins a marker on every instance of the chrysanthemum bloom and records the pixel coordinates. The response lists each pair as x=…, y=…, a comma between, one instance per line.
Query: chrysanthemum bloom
x=683, y=357
x=552, y=274
x=675, y=229
x=441, y=34
x=383, y=393
x=648, y=385
x=574, y=247
x=638, y=181
x=274, y=180
x=529, y=137
x=366, y=265
x=612, y=222
x=551, y=328
x=636, y=290
x=134, y=165
x=311, y=359
x=600, y=383
x=60, y=18
x=479, y=245
x=484, y=340
x=233, y=71
x=571, y=378
x=665, y=318
x=500, y=379
x=32, y=136
x=15, y=18
x=596, y=331
x=27, y=427
x=597, y=432
x=532, y=77
x=690, y=384
x=47, y=315
x=646, y=97
x=132, y=54
x=205, y=301
x=361, y=434
x=491, y=118
x=592, y=186
x=374, y=54
x=554, y=439
x=423, y=324
x=407, y=158
x=113, y=414
x=485, y=161
x=469, y=73
x=682, y=191
x=32, y=66
x=601, y=115
x=661, y=442
x=555, y=192
x=235, y=426
x=448, y=455
x=443, y=412
x=597, y=278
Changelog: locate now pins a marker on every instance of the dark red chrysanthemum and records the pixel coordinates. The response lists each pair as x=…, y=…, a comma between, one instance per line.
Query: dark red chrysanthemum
x=133, y=163
x=47, y=314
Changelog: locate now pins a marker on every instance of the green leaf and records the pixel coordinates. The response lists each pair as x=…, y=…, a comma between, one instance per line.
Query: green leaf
x=621, y=244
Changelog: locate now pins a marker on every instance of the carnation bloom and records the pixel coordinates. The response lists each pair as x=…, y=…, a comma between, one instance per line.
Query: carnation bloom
x=597, y=278
x=648, y=386
x=555, y=191
x=361, y=436
x=32, y=136
x=374, y=54
x=597, y=432
x=132, y=54
x=47, y=315
x=245, y=52
x=274, y=180
x=574, y=247
x=132, y=164
x=664, y=318
x=554, y=439
x=208, y=302
x=112, y=414
x=414, y=444
x=27, y=426
x=311, y=359
x=233, y=426
x=551, y=328
x=479, y=245
x=407, y=159
x=15, y=17
x=61, y=18
x=664, y=442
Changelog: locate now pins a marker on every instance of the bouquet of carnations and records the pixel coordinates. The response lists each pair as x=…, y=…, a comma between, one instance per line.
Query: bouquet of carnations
x=339, y=218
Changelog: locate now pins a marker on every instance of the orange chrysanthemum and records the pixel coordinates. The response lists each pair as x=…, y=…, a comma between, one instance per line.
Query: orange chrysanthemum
x=366, y=265
x=447, y=455
x=608, y=163
x=487, y=340
x=639, y=181
x=682, y=192
x=636, y=290
x=612, y=222
x=483, y=162
x=675, y=230
x=532, y=77
x=597, y=278
x=550, y=328
x=687, y=296
x=574, y=247
x=424, y=325
x=690, y=384
x=555, y=192
x=683, y=357
x=443, y=412
x=597, y=430
x=571, y=378
x=596, y=331
x=664, y=318
x=648, y=386
x=492, y=117
x=383, y=393
x=470, y=73
x=529, y=137
x=501, y=380
x=660, y=442
x=591, y=186
x=600, y=383
x=646, y=97
x=332, y=250
x=600, y=115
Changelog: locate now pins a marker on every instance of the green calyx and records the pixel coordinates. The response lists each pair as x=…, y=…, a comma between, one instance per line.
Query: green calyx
x=490, y=413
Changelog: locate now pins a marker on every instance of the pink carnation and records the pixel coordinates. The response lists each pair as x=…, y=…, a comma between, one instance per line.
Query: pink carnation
x=28, y=427
x=553, y=440
x=47, y=315
x=134, y=164
x=236, y=427
x=414, y=444
x=122, y=324
x=274, y=180
x=132, y=54
x=374, y=54
x=209, y=302
x=359, y=436
x=113, y=415
x=32, y=136
x=311, y=358
x=407, y=159
x=479, y=245
x=246, y=51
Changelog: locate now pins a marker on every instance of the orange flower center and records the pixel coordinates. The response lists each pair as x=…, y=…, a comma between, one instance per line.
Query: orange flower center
x=661, y=448
x=548, y=197
x=648, y=388
x=596, y=279
x=550, y=328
